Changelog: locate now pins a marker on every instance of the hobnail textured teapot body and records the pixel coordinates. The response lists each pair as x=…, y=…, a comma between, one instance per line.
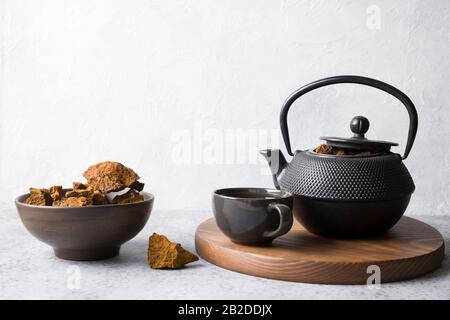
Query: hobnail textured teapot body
x=352, y=195
x=366, y=178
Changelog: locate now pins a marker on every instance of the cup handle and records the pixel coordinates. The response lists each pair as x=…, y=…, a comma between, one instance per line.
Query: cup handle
x=286, y=220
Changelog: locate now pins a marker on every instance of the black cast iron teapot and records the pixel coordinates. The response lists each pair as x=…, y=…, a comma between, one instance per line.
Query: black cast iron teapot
x=347, y=196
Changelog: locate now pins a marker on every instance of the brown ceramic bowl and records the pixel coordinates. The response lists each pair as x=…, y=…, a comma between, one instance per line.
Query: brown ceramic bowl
x=85, y=233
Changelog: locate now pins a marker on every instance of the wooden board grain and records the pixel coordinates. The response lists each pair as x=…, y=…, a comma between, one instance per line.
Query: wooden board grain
x=410, y=249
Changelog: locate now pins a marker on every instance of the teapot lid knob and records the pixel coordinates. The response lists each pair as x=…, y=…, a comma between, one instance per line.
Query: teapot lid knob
x=359, y=126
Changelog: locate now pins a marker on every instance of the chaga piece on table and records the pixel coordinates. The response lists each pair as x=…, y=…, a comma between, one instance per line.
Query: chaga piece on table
x=39, y=197
x=110, y=176
x=163, y=254
x=128, y=197
x=73, y=202
x=324, y=149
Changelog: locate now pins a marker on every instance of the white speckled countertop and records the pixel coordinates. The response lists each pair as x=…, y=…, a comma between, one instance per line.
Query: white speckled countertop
x=29, y=270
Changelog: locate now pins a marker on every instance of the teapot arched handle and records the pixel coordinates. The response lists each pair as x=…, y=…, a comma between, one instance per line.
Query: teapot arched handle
x=413, y=119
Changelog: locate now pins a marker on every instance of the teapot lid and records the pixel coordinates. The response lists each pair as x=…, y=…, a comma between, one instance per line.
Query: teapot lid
x=359, y=126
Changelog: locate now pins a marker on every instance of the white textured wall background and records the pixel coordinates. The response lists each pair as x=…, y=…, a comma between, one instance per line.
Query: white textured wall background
x=85, y=81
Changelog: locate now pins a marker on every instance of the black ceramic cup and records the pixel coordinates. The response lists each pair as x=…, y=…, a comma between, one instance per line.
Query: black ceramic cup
x=252, y=216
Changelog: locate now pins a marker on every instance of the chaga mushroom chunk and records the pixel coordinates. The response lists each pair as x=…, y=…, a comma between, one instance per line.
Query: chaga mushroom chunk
x=327, y=149
x=87, y=193
x=93, y=197
x=39, y=197
x=324, y=149
x=101, y=178
x=163, y=254
x=129, y=197
x=56, y=193
x=110, y=176
x=99, y=198
x=73, y=202
x=79, y=186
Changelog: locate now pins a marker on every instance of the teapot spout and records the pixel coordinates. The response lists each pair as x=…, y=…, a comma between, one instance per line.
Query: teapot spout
x=277, y=163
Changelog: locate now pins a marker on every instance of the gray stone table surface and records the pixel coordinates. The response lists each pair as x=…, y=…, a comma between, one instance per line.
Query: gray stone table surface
x=29, y=270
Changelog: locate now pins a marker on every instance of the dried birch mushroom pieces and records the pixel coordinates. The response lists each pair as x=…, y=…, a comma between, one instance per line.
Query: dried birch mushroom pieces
x=39, y=197
x=324, y=149
x=73, y=202
x=78, y=186
x=87, y=193
x=110, y=176
x=99, y=198
x=81, y=198
x=101, y=178
x=80, y=189
x=56, y=193
x=327, y=149
x=129, y=197
x=163, y=254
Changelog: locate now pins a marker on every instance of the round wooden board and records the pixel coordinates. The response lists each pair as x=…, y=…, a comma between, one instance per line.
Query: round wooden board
x=410, y=249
